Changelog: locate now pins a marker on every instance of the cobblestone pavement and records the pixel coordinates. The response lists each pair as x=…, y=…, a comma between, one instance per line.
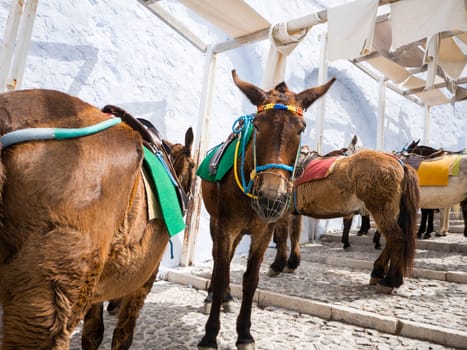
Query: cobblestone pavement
x=172, y=317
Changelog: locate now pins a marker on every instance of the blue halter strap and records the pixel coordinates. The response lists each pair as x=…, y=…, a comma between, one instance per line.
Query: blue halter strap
x=240, y=127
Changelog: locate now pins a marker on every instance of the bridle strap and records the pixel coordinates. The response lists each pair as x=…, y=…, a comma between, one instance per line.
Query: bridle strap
x=240, y=126
x=296, y=110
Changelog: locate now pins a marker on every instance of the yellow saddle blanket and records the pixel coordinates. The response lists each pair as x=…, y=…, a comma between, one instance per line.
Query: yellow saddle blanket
x=436, y=172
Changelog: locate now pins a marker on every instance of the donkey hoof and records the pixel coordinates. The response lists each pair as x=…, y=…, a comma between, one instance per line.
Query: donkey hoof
x=206, y=348
x=374, y=281
x=440, y=234
x=207, y=309
x=228, y=306
x=288, y=270
x=273, y=273
x=384, y=289
x=247, y=346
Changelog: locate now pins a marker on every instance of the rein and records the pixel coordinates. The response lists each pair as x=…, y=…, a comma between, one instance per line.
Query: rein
x=240, y=127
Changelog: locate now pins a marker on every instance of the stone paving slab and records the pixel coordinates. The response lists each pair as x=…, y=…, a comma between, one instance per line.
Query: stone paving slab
x=432, y=308
x=434, y=261
x=172, y=319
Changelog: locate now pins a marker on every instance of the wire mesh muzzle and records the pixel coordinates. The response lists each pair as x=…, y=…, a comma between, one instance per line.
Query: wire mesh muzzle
x=271, y=202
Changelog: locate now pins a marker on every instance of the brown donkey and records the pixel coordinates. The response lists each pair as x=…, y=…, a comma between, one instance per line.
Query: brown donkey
x=129, y=307
x=74, y=218
x=238, y=206
x=385, y=186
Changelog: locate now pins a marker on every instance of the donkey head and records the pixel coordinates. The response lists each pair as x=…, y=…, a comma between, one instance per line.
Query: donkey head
x=278, y=126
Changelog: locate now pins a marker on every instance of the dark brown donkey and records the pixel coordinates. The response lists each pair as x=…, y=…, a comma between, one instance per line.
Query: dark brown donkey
x=237, y=208
x=74, y=218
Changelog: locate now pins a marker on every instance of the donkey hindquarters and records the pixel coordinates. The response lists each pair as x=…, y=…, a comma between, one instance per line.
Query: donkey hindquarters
x=74, y=222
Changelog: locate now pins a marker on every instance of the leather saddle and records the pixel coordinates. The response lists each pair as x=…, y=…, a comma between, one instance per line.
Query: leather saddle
x=153, y=141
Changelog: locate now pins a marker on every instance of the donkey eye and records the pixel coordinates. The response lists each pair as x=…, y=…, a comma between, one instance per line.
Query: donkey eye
x=256, y=126
x=302, y=128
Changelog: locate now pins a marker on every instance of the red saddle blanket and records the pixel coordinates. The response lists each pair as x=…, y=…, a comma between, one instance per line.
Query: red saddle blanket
x=316, y=169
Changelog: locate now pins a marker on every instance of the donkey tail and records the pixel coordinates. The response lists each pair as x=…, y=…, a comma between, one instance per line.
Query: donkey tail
x=407, y=221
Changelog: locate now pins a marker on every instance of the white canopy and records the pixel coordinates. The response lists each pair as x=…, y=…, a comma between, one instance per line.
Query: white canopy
x=416, y=45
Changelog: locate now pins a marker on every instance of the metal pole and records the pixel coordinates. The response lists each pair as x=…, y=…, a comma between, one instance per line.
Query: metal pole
x=9, y=42
x=312, y=224
x=321, y=103
x=201, y=142
x=381, y=114
x=427, y=130
x=24, y=39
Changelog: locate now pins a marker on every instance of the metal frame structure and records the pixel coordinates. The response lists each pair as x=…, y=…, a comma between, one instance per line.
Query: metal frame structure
x=18, y=35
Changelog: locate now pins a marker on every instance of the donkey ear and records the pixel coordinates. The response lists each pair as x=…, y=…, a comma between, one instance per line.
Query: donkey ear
x=189, y=138
x=307, y=97
x=255, y=94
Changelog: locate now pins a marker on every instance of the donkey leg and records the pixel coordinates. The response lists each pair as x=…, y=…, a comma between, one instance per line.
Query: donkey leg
x=112, y=306
x=128, y=313
x=259, y=243
x=444, y=222
x=222, y=252
x=377, y=239
x=93, y=328
x=380, y=267
x=394, y=276
x=464, y=214
x=47, y=289
x=345, y=232
x=422, y=227
x=431, y=215
x=32, y=322
x=281, y=233
x=228, y=300
x=295, y=226
x=365, y=226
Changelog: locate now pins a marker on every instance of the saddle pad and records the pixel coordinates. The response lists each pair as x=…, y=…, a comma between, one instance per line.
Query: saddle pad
x=225, y=164
x=166, y=194
x=436, y=172
x=154, y=211
x=317, y=169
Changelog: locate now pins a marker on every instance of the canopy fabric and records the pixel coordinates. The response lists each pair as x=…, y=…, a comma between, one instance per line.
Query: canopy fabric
x=433, y=97
x=418, y=19
x=282, y=45
x=391, y=70
x=350, y=29
x=234, y=17
x=451, y=58
x=407, y=47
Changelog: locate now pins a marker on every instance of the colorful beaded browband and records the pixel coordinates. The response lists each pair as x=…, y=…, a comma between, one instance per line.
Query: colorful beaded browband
x=297, y=110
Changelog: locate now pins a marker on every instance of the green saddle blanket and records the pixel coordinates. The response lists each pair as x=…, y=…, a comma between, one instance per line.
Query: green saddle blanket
x=225, y=163
x=166, y=193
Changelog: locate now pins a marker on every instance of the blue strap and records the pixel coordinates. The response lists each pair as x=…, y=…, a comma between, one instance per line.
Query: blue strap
x=34, y=134
x=274, y=166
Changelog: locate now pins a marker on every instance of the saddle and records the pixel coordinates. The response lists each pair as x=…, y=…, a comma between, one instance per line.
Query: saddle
x=152, y=140
x=415, y=160
x=314, y=166
x=306, y=156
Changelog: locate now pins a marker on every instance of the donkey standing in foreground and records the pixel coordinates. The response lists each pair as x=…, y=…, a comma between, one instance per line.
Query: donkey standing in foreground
x=75, y=228
x=237, y=208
